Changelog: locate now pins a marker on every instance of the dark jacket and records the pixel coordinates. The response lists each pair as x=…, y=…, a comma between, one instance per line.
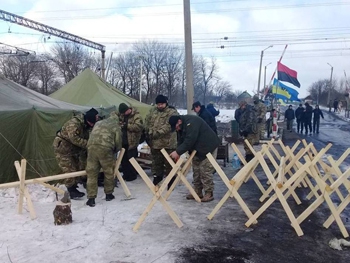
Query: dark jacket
x=299, y=113
x=208, y=118
x=317, y=114
x=212, y=110
x=308, y=113
x=195, y=134
x=289, y=114
x=238, y=113
x=335, y=104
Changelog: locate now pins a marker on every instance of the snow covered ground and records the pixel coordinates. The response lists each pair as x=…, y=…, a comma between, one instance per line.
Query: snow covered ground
x=224, y=116
x=102, y=234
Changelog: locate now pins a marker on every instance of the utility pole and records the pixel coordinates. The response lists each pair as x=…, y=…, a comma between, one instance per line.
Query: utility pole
x=265, y=75
x=330, y=85
x=261, y=59
x=140, y=79
x=188, y=55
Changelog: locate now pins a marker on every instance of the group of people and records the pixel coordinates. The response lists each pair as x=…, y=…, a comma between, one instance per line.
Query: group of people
x=87, y=142
x=305, y=116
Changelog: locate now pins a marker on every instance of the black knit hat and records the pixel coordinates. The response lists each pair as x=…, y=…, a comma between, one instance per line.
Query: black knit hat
x=123, y=108
x=90, y=115
x=161, y=99
x=173, y=121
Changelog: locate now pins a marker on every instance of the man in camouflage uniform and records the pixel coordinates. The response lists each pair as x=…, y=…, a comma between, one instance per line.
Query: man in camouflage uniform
x=132, y=125
x=104, y=142
x=159, y=136
x=70, y=147
x=195, y=134
x=147, y=124
x=247, y=127
x=260, y=109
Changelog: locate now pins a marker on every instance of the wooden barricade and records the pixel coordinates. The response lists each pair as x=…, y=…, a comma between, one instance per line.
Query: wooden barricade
x=181, y=175
x=157, y=193
x=22, y=183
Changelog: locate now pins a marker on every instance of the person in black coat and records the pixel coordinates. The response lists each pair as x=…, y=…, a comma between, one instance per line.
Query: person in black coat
x=195, y=134
x=307, y=118
x=335, y=105
x=212, y=110
x=289, y=116
x=316, y=121
x=299, y=116
x=205, y=115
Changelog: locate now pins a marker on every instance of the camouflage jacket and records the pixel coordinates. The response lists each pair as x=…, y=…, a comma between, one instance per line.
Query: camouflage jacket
x=148, y=118
x=248, y=120
x=107, y=133
x=134, y=127
x=260, y=109
x=73, y=135
x=158, y=129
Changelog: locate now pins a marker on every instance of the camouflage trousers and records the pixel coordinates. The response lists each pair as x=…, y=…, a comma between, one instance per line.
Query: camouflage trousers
x=160, y=165
x=70, y=162
x=203, y=173
x=251, y=139
x=99, y=157
x=261, y=131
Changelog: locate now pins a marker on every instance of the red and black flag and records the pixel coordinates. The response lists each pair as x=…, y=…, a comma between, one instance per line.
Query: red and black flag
x=287, y=74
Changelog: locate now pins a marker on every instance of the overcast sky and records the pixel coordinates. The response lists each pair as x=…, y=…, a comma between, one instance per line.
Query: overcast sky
x=317, y=32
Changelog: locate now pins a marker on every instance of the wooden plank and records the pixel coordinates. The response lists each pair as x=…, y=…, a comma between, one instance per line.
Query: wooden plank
x=118, y=175
x=22, y=178
x=55, y=189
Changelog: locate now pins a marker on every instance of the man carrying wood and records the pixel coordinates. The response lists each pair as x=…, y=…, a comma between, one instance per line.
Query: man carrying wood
x=70, y=147
x=104, y=142
x=195, y=134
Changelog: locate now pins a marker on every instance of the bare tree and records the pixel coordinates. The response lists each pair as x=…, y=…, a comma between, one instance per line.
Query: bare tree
x=19, y=69
x=206, y=74
x=71, y=59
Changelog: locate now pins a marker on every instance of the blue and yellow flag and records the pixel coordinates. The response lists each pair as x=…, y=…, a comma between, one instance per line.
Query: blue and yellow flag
x=284, y=92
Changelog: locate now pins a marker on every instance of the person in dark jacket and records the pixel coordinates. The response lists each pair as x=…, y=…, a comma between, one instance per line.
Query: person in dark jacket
x=195, y=134
x=212, y=110
x=289, y=116
x=307, y=118
x=205, y=115
x=299, y=114
x=335, y=105
x=316, y=121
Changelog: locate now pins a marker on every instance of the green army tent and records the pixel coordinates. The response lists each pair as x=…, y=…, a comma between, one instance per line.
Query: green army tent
x=28, y=125
x=88, y=89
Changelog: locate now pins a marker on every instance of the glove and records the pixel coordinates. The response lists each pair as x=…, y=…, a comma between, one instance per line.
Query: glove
x=245, y=133
x=259, y=120
x=241, y=133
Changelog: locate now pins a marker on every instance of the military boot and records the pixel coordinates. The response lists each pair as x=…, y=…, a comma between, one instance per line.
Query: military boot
x=208, y=197
x=199, y=193
x=91, y=202
x=74, y=193
x=109, y=197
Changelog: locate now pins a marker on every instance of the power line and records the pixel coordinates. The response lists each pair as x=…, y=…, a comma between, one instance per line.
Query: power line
x=242, y=9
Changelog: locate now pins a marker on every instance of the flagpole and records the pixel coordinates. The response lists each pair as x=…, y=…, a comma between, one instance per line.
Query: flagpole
x=274, y=73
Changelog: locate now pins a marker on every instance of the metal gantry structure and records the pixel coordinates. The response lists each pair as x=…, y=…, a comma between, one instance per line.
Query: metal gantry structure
x=20, y=20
